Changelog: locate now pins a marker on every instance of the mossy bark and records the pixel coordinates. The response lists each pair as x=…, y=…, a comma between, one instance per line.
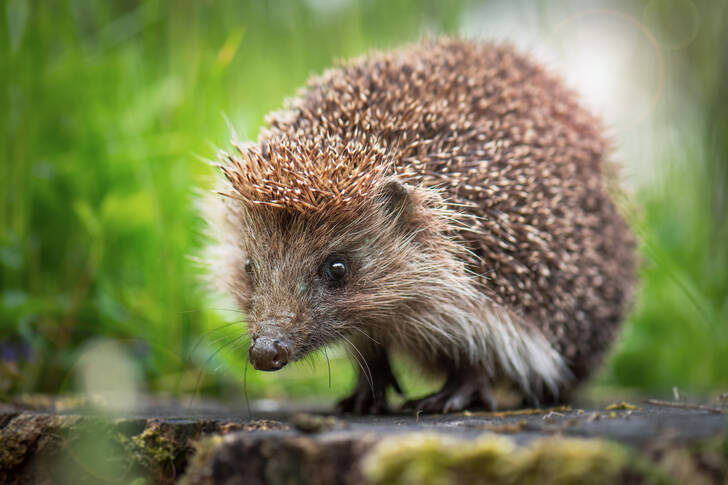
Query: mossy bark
x=76, y=449
x=614, y=444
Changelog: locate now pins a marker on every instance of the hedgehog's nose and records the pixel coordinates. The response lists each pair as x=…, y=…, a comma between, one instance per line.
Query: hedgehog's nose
x=268, y=354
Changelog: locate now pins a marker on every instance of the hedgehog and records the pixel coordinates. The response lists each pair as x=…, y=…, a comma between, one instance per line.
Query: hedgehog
x=448, y=201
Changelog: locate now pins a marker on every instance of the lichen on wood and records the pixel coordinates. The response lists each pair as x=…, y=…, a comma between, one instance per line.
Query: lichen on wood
x=492, y=459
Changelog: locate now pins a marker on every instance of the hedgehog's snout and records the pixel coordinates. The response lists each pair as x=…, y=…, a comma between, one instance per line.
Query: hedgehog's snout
x=268, y=353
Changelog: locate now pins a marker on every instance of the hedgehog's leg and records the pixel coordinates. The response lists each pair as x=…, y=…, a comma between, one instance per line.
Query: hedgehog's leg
x=547, y=397
x=375, y=378
x=463, y=389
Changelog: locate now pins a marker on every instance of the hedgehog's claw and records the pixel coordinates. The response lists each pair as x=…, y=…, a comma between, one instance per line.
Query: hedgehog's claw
x=461, y=391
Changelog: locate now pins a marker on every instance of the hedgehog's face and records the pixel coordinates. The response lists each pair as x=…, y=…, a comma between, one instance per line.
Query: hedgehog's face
x=308, y=280
x=294, y=282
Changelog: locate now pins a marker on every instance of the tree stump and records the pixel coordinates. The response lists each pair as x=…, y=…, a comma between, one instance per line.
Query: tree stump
x=69, y=441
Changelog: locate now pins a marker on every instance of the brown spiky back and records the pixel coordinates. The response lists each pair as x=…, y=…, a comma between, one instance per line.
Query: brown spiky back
x=309, y=172
x=512, y=150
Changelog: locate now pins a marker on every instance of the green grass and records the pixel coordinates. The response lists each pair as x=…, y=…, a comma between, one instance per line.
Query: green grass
x=108, y=107
x=678, y=334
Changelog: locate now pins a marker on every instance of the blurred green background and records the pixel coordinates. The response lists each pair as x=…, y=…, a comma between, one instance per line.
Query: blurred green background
x=108, y=108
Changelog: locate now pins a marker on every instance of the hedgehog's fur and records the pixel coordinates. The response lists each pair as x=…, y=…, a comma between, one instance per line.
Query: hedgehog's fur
x=467, y=189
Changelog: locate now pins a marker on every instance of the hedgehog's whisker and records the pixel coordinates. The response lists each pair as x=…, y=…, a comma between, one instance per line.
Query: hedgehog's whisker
x=199, y=375
x=361, y=368
x=201, y=336
x=368, y=372
x=328, y=365
x=353, y=327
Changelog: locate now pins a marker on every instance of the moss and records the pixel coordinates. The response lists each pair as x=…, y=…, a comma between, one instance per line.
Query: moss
x=492, y=459
x=311, y=423
x=433, y=459
x=160, y=449
x=204, y=449
x=572, y=461
x=263, y=425
x=519, y=412
x=701, y=462
x=507, y=427
x=622, y=406
x=24, y=435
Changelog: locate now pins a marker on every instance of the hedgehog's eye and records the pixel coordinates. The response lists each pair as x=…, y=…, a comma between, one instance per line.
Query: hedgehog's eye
x=336, y=269
x=249, y=266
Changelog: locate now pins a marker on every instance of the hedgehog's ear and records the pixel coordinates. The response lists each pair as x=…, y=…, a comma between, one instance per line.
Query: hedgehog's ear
x=395, y=199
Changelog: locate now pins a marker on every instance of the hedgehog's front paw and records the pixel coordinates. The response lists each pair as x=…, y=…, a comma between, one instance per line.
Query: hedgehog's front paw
x=370, y=396
x=460, y=392
x=367, y=398
x=364, y=401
